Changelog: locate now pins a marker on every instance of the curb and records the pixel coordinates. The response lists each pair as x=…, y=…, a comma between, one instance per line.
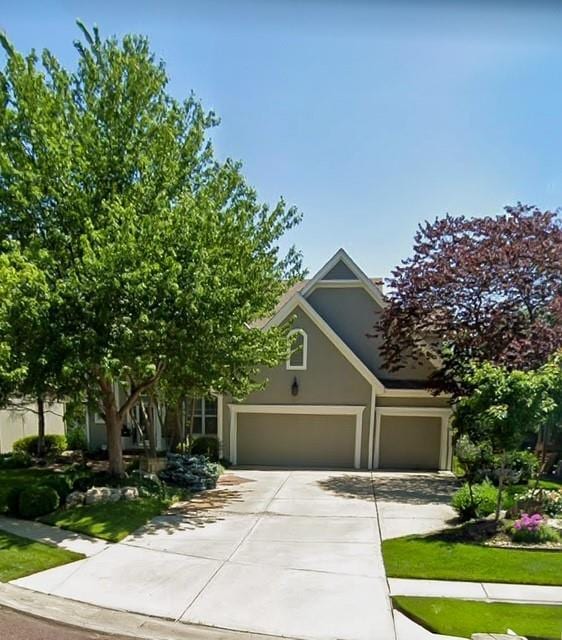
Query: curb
x=110, y=621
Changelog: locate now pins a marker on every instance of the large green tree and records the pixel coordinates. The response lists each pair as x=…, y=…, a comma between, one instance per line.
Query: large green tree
x=157, y=257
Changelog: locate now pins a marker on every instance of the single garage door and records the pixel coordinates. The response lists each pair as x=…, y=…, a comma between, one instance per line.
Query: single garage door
x=291, y=440
x=410, y=442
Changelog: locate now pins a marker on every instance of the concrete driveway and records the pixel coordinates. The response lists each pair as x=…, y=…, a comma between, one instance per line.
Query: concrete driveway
x=414, y=502
x=285, y=553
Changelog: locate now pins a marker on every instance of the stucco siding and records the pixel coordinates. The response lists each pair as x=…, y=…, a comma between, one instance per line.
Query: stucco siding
x=330, y=379
x=352, y=313
x=19, y=423
x=296, y=440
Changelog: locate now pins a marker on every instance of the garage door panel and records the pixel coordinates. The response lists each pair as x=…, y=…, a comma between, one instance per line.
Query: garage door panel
x=410, y=442
x=296, y=440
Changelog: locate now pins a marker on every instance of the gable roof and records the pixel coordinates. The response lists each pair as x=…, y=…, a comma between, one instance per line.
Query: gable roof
x=369, y=284
x=298, y=301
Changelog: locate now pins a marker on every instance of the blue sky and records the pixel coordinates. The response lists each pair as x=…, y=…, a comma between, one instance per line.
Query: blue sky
x=368, y=116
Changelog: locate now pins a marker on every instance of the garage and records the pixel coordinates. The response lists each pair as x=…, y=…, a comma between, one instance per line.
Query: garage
x=296, y=436
x=410, y=442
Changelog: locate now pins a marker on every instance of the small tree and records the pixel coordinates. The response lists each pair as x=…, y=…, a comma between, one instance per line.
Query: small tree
x=25, y=365
x=501, y=408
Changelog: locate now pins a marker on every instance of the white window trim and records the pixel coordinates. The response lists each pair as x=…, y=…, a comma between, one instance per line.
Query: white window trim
x=298, y=409
x=422, y=412
x=203, y=415
x=299, y=367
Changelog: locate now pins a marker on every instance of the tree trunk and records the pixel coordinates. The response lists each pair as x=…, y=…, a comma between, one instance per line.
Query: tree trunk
x=178, y=434
x=113, y=425
x=40, y=427
x=500, y=488
x=191, y=419
x=148, y=413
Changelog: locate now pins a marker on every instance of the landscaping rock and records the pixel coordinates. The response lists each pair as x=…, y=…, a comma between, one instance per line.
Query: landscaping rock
x=146, y=475
x=129, y=493
x=114, y=494
x=75, y=499
x=105, y=493
x=93, y=496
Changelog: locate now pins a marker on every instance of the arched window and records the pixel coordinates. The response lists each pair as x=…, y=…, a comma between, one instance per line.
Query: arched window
x=298, y=348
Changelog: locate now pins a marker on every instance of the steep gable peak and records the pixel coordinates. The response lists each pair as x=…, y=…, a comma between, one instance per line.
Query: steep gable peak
x=341, y=270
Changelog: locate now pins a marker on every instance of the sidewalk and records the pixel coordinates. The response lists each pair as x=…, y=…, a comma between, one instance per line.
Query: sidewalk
x=53, y=536
x=519, y=593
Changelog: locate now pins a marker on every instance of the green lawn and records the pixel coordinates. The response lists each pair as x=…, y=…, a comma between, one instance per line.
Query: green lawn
x=465, y=617
x=441, y=558
x=20, y=557
x=111, y=521
x=18, y=477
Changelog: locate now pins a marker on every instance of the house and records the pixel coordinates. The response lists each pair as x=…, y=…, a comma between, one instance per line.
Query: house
x=331, y=403
x=20, y=420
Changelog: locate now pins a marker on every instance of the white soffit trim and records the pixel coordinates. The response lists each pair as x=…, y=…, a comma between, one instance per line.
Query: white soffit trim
x=342, y=256
x=298, y=301
x=391, y=392
x=414, y=411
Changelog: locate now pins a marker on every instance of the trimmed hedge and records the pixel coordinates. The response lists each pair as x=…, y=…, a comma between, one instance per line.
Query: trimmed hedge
x=61, y=483
x=13, y=500
x=38, y=500
x=16, y=460
x=54, y=444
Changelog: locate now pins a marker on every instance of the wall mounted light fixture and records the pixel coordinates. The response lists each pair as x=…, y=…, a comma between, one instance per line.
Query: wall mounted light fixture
x=295, y=387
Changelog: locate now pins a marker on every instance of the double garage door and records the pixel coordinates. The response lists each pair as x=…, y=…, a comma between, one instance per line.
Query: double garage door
x=336, y=441
x=288, y=440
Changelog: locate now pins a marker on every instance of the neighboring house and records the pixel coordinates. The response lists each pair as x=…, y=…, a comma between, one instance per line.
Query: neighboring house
x=331, y=404
x=21, y=421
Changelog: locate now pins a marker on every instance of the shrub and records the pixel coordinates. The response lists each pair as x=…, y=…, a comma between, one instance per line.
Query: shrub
x=524, y=464
x=533, y=528
x=16, y=460
x=54, y=444
x=192, y=472
x=76, y=438
x=61, y=483
x=543, y=500
x=38, y=500
x=481, y=504
x=206, y=446
x=13, y=500
x=83, y=483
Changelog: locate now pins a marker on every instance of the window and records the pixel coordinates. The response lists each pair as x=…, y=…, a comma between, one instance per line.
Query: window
x=298, y=346
x=205, y=416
